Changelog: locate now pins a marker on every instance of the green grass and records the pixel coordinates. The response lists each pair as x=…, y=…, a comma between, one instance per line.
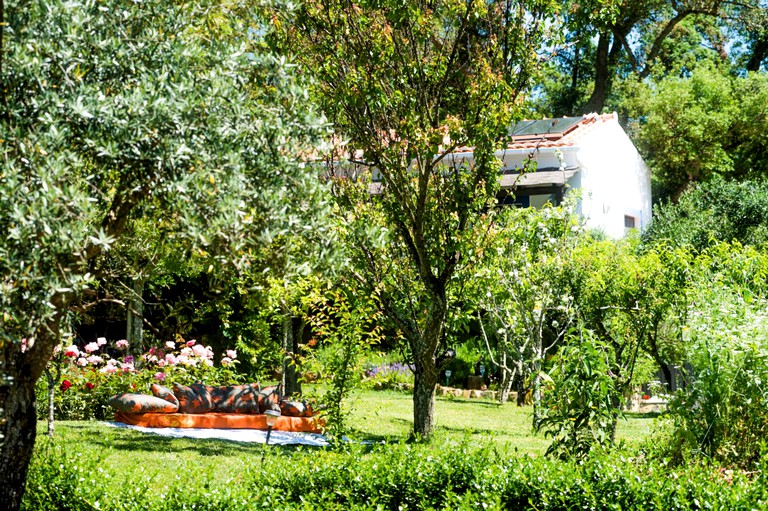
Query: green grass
x=388, y=416
x=375, y=417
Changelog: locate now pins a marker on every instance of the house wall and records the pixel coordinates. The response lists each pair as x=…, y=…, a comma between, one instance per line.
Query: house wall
x=616, y=182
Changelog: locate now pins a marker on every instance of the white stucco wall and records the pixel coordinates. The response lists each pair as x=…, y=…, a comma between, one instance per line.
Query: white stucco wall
x=615, y=180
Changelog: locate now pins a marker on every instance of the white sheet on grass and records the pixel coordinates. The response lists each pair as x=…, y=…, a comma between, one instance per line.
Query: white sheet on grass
x=235, y=435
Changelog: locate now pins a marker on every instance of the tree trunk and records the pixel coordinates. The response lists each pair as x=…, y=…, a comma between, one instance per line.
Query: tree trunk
x=134, y=332
x=507, y=378
x=293, y=330
x=596, y=101
x=426, y=374
x=18, y=428
x=758, y=55
x=505, y=386
x=423, y=402
x=52, y=381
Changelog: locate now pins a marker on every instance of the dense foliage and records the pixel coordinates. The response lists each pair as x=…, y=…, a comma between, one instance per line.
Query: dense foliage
x=120, y=112
x=715, y=210
x=449, y=476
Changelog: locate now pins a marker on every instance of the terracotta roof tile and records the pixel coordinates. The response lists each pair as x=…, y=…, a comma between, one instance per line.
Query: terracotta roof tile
x=566, y=139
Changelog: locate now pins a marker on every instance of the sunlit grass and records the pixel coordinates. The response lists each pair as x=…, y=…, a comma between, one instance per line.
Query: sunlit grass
x=388, y=416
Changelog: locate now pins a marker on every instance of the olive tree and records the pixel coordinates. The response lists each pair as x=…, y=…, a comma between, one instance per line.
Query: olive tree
x=116, y=111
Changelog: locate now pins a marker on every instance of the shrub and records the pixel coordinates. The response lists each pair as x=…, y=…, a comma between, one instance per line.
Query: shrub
x=89, y=377
x=579, y=409
x=444, y=476
x=723, y=411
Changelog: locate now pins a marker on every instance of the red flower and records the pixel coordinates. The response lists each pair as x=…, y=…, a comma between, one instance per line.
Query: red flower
x=70, y=354
x=133, y=385
x=65, y=385
x=646, y=396
x=89, y=385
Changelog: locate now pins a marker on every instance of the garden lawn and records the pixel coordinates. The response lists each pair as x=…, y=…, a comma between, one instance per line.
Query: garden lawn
x=384, y=416
x=482, y=456
x=388, y=416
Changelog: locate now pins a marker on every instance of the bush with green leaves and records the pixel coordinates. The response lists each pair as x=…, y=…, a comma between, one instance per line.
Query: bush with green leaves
x=714, y=210
x=87, y=378
x=400, y=476
x=578, y=407
x=723, y=412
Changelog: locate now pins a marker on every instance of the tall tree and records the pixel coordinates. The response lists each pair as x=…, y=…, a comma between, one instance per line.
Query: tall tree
x=691, y=129
x=615, y=40
x=408, y=84
x=118, y=111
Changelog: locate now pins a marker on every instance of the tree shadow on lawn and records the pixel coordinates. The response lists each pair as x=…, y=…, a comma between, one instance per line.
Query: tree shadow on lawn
x=472, y=402
x=358, y=435
x=646, y=415
x=130, y=440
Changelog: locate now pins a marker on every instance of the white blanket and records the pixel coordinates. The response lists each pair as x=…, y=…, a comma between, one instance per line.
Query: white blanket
x=235, y=435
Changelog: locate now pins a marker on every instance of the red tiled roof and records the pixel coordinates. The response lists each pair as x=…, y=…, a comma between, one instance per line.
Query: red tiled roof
x=566, y=139
x=549, y=139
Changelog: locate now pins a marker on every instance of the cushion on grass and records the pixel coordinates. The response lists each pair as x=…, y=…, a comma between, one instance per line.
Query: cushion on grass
x=141, y=403
x=220, y=420
x=236, y=398
x=295, y=409
x=269, y=398
x=163, y=393
x=193, y=399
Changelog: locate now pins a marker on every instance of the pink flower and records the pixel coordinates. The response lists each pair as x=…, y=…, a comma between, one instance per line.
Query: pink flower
x=152, y=350
x=162, y=363
x=171, y=359
x=101, y=341
x=82, y=362
x=57, y=349
x=191, y=343
x=95, y=360
x=209, y=362
x=71, y=351
x=122, y=345
x=225, y=361
x=170, y=345
x=91, y=347
x=128, y=368
x=109, y=369
x=199, y=351
x=232, y=354
x=128, y=359
x=160, y=376
x=186, y=351
x=24, y=345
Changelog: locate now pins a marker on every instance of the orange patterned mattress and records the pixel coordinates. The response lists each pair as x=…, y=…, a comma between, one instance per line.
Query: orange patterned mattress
x=213, y=420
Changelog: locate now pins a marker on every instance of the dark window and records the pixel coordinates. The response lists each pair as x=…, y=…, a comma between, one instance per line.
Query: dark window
x=629, y=222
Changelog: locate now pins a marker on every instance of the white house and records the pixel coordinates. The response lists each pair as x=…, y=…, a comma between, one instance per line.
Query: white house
x=590, y=153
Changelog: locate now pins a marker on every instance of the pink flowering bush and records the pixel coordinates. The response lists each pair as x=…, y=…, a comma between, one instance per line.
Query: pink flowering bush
x=99, y=370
